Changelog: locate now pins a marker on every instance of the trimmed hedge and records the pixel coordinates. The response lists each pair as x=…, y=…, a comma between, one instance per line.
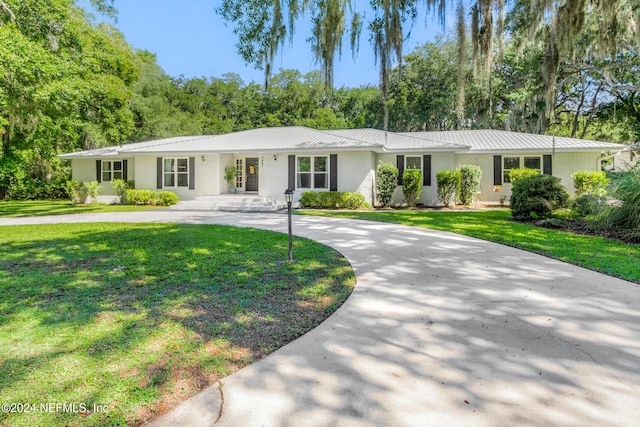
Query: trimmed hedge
x=516, y=175
x=412, y=186
x=149, y=197
x=386, y=182
x=470, y=177
x=447, y=184
x=332, y=200
x=590, y=183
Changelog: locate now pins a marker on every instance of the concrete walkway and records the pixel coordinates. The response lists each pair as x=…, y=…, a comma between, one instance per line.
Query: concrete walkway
x=441, y=330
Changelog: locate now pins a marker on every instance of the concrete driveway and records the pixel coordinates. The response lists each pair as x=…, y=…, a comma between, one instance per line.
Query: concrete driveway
x=441, y=330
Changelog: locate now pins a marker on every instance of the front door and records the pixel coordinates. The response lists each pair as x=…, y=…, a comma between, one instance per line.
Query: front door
x=252, y=174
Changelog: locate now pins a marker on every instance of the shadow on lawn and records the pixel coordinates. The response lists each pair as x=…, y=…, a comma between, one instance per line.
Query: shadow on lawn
x=205, y=299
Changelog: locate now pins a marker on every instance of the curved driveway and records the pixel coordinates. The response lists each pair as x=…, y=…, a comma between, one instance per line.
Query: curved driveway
x=441, y=330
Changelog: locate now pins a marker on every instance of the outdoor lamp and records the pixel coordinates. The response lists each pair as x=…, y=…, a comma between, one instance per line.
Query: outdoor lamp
x=288, y=196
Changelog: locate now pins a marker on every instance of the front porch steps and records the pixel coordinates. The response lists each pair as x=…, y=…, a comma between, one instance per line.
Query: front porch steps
x=229, y=203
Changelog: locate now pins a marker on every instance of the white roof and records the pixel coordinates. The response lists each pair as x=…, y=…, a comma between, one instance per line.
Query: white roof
x=298, y=138
x=500, y=140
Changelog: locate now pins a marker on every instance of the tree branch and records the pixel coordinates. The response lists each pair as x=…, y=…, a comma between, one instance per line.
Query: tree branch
x=8, y=11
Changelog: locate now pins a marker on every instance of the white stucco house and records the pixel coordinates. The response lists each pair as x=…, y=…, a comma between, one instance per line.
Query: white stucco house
x=270, y=160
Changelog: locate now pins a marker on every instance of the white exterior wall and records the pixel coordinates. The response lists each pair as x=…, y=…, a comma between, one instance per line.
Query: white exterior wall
x=429, y=196
x=563, y=166
x=356, y=173
x=273, y=176
x=84, y=170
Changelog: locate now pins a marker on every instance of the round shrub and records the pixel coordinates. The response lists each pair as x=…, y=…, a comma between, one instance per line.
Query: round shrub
x=516, y=175
x=167, y=198
x=537, y=197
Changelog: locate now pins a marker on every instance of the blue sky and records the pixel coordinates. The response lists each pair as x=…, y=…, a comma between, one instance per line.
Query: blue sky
x=191, y=40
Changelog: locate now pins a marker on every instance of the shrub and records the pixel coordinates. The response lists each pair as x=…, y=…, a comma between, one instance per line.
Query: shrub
x=470, y=177
x=447, y=183
x=120, y=186
x=142, y=197
x=167, y=198
x=625, y=215
x=412, y=186
x=93, y=188
x=309, y=199
x=332, y=200
x=350, y=200
x=386, y=182
x=590, y=183
x=516, y=175
x=588, y=205
x=76, y=192
x=537, y=197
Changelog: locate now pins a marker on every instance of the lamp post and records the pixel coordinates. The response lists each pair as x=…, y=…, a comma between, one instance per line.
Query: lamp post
x=288, y=195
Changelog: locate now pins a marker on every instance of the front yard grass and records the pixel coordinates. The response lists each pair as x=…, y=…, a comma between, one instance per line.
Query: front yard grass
x=608, y=256
x=14, y=209
x=137, y=317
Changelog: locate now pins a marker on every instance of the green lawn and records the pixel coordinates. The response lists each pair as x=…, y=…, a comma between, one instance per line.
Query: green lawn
x=596, y=253
x=60, y=207
x=136, y=317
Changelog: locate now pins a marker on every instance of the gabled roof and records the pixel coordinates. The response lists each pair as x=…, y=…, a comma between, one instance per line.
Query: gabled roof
x=298, y=138
x=500, y=141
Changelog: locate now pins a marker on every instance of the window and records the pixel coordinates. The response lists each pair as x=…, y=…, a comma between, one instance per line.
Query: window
x=413, y=163
x=532, y=163
x=312, y=172
x=112, y=170
x=515, y=162
x=176, y=172
x=509, y=163
x=239, y=173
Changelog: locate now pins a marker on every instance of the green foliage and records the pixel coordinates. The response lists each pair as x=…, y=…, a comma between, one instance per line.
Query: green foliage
x=386, y=182
x=332, y=200
x=167, y=198
x=537, y=197
x=588, y=205
x=590, y=183
x=623, y=217
x=309, y=199
x=516, y=175
x=142, y=197
x=447, y=184
x=120, y=186
x=92, y=188
x=76, y=192
x=412, y=186
x=150, y=197
x=230, y=174
x=470, y=177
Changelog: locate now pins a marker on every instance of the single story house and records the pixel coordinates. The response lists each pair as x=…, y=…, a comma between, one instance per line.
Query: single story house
x=270, y=160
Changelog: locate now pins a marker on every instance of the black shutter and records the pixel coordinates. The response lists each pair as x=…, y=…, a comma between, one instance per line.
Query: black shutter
x=426, y=170
x=125, y=172
x=333, y=172
x=192, y=173
x=497, y=170
x=159, y=173
x=547, y=168
x=99, y=170
x=400, y=164
x=292, y=172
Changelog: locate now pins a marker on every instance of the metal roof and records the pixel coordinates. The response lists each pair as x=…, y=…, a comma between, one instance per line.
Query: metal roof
x=499, y=140
x=298, y=138
x=392, y=141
